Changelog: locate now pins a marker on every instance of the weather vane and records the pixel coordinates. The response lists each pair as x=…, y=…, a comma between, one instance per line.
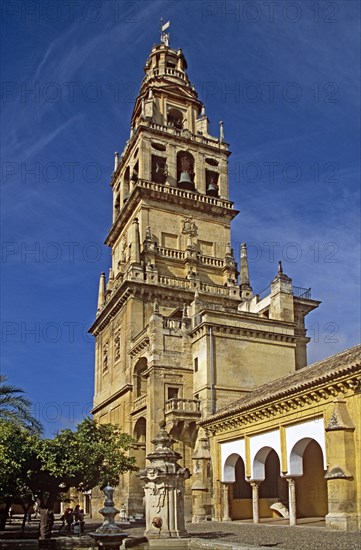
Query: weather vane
x=164, y=36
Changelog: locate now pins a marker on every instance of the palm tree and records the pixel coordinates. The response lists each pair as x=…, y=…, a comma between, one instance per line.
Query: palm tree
x=14, y=407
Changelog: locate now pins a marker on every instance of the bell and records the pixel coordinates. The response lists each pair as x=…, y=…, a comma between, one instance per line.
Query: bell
x=185, y=182
x=212, y=190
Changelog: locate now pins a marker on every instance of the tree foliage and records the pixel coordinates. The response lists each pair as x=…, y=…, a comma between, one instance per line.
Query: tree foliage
x=14, y=460
x=15, y=408
x=94, y=454
x=15, y=455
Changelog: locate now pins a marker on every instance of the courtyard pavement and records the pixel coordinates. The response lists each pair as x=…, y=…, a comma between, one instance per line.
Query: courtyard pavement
x=310, y=534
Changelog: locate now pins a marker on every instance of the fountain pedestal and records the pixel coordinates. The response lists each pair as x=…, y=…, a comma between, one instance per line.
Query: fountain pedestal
x=109, y=536
x=164, y=490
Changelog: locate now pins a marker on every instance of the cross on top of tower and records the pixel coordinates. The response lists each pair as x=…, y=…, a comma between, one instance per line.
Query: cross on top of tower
x=164, y=36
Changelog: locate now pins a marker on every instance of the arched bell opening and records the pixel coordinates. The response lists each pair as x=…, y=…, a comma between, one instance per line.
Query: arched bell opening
x=175, y=117
x=159, y=169
x=185, y=171
x=212, y=183
x=135, y=174
x=311, y=485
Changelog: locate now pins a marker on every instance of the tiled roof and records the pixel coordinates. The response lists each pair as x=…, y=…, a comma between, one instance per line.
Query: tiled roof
x=337, y=365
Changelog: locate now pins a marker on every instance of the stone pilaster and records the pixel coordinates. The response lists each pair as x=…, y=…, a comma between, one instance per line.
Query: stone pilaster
x=340, y=475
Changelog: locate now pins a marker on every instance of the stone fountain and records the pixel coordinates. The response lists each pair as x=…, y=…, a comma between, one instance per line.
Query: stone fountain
x=109, y=536
x=164, y=493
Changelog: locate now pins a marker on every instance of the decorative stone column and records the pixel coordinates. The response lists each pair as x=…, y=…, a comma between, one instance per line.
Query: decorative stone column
x=292, y=500
x=201, y=485
x=255, y=504
x=164, y=490
x=225, y=499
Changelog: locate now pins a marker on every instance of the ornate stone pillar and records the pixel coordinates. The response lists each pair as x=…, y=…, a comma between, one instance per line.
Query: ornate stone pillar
x=225, y=499
x=164, y=490
x=292, y=500
x=255, y=504
x=202, y=480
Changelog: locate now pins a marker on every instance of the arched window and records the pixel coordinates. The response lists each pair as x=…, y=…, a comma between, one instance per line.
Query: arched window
x=140, y=430
x=140, y=382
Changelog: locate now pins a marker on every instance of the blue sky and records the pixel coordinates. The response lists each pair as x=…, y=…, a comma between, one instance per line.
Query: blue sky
x=284, y=78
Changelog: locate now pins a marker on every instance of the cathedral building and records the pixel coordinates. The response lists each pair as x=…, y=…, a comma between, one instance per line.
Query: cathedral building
x=179, y=332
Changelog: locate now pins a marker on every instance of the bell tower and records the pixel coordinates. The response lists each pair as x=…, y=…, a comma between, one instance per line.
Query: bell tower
x=177, y=336
x=170, y=177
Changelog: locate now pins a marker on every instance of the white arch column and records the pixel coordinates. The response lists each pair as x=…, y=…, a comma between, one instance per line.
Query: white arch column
x=292, y=500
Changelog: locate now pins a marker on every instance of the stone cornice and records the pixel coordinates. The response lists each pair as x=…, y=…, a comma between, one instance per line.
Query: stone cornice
x=141, y=343
x=245, y=332
x=125, y=389
x=128, y=288
x=188, y=199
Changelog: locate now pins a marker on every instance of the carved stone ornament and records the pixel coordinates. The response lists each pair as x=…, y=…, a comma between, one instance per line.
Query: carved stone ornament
x=189, y=227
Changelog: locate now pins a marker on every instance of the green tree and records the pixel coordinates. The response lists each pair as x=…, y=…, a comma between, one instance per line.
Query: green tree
x=15, y=458
x=91, y=456
x=15, y=408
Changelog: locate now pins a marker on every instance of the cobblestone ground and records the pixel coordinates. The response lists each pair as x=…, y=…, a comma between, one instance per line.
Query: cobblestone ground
x=277, y=536
x=301, y=537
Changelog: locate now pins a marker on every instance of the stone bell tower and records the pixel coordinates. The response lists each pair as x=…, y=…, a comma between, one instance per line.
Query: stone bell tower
x=176, y=335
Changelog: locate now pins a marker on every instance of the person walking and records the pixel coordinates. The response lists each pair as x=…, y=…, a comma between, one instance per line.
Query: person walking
x=69, y=518
x=81, y=520
x=36, y=509
x=76, y=512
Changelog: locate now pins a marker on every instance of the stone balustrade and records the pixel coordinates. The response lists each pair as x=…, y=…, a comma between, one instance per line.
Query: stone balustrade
x=171, y=253
x=209, y=260
x=183, y=406
x=139, y=402
x=171, y=323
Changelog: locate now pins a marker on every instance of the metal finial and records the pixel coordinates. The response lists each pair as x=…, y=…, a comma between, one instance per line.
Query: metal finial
x=280, y=268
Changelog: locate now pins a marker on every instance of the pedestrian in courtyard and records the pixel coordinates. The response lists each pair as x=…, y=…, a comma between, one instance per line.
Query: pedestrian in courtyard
x=69, y=518
x=62, y=519
x=36, y=509
x=81, y=520
x=76, y=512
